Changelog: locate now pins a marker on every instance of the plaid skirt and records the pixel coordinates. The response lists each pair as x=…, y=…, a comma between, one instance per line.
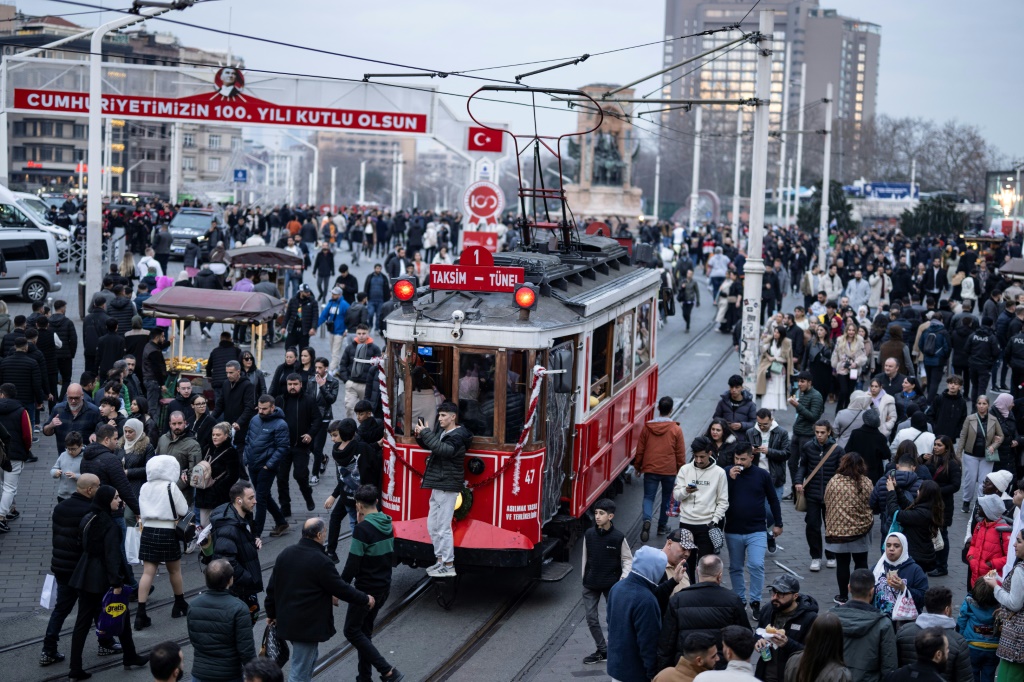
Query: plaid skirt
x=159, y=545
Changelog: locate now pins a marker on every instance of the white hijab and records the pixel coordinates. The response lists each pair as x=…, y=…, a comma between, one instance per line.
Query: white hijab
x=904, y=556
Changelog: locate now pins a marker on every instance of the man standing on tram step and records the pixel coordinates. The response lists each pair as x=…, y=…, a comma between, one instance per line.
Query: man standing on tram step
x=302, y=416
x=737, y=408
x=300, y=596
x=266, y=444
x=809, y=406
x=703, y=495
x=356, y=367
x=333, y=315
x=660, y=454
x=443, y=476
x=750, y=491
x=370, y=557
x=378, y=290
x=606, y=560
x=300, y=320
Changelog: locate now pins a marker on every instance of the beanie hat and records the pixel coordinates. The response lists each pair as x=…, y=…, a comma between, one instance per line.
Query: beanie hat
x=1001, y=480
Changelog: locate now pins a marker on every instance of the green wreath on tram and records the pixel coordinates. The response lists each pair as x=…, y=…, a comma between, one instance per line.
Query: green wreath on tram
x=463, y=504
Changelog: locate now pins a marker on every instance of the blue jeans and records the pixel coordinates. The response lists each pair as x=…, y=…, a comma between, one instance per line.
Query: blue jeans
x=651, y=484
x=292, y=280
x=262, y=481
x=984, y=663
x=779, y=492
x=303, y=659
x=373, y=311
x=747, y=551
x=124, y=531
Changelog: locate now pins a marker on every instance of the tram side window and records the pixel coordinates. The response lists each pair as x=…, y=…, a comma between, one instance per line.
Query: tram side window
x=600, y=386
x=518, y=377
x=642, y=342
x=476, y=393
x=623, y=364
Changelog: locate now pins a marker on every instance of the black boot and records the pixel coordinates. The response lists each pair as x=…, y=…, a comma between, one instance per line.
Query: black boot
x=142, y=621
x=180, y=606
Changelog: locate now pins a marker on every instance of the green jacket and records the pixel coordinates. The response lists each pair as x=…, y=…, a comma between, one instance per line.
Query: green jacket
x=810, y=406
x=869, y=643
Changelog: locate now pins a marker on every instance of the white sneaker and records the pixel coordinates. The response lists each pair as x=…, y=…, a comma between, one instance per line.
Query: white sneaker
x=193, y=543
x=314, y=480
x=442, y=572
x=816, y=565
x=831, y=563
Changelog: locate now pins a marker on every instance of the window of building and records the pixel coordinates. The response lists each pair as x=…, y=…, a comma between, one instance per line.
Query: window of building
x=214, y=142
x=18, y=153
x=46, y=128
x=213, y=164
x=19, y=129
x=188, y=139
x=236, y=142
x=80, y=132
x=860, y=67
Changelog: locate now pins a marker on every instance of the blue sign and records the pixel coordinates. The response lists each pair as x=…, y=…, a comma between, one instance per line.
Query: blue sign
x=241, y=175
x=890, y=190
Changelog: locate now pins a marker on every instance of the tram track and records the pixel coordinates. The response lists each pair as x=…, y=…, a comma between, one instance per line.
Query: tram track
x=678, y=355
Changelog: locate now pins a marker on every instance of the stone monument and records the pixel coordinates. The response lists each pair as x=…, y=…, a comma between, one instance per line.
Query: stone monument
x=601, y=181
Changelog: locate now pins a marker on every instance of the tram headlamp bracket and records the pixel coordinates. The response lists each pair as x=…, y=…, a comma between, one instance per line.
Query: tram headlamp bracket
x=457, y=317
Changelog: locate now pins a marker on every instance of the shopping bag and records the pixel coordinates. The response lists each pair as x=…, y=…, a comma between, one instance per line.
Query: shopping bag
x=112, y=613
x=132, y=540
x=904, y=609
x=48, y=599
x=274, y=648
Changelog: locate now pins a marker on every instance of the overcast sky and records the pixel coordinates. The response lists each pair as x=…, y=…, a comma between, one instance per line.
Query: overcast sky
x=940, y=59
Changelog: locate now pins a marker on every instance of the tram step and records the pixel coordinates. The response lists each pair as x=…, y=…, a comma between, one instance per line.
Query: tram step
x=553, y=571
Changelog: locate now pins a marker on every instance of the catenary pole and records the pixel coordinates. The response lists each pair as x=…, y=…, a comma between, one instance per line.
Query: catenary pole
x=754, y=267
x=779, y=201
x=800, y=142
x=695, y=183
x=737, y=172
x=825, y=180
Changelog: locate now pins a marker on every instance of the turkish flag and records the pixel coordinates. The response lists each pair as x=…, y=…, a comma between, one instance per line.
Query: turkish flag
x=484, y=140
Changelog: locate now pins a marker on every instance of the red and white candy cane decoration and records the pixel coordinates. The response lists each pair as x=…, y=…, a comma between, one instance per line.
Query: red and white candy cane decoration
x=531, y=412
x=389, y=427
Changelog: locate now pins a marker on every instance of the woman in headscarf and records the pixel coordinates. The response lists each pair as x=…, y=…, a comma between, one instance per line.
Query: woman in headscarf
x=136, y=451
x=161, y=505
x=140, y=410
x=921, y=519
x=100, y=568
x=946, y=471
x=224, y=466
x=1003, y=405
x=1011, y=597
x=851, y=418
x=895, y=572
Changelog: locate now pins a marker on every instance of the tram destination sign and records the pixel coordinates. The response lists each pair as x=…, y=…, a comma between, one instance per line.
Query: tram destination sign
x=475, y=278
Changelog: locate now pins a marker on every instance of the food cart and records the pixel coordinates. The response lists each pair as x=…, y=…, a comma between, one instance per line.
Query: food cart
x=276, y=261
x=984, y=245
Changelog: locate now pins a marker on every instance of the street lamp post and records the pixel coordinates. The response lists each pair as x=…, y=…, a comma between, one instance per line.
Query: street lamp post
x=316, y=165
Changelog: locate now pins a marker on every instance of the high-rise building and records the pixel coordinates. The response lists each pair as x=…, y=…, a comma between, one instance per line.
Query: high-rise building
x=835, y=49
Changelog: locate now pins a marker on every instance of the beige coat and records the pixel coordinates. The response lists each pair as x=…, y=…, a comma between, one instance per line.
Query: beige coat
x=969, y=433
x=785, y=352
x=887, y=413
x=843, y=351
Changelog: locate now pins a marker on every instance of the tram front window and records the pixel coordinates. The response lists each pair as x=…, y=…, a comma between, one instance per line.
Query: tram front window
x=427, y=370
x=518, y=382
x=476, y=393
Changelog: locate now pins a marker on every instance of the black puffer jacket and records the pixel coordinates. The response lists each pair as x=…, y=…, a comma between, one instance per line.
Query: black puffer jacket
x=797, y=626
x=68, y=335
x=135, y=461
x=93, y=327
x=220, y=630
x=947, y=414
x=123, y=310
x=237, y=404
x=446, y=464
x=302, y=313
x=15, y=419
x=233, y=540
x=67, y=544
x=225, y=352
x=810, y=454
x=206, y=279
x=303, y=418
x=982, y=349
x=21, y=370
x=705, y=607
x=97, y=459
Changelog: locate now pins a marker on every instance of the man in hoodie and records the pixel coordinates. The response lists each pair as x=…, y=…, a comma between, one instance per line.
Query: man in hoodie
x=233, y=540
x=634, y=619
x=266, y=444
x=949, y=409
x=936, y=348
x=702, y=491
x=770, y=444
x=370, y=558
x=225, y=352
x=660, y=453
x=121, y=309
x=983, y=351
x=606, y=560
x=737, y=407
x=869, y=643
x=700, y=653
x=938, y=613
x=300, y=319
x=65, y=330
x=791, y=612
x=750, y=491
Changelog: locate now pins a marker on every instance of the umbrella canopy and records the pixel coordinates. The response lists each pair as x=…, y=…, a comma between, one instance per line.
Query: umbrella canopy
x=263, y=257
x=211, y=305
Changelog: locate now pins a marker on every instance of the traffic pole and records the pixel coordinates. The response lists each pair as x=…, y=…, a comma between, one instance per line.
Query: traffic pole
x=800, y=142
x=825, y=180
x=737, y=172
x=754, y=267
x=780, y=201
x=695, y=184
x=657, y=184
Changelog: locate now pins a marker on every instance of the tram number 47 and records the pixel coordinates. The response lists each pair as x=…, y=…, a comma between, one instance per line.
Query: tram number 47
x=531, y=476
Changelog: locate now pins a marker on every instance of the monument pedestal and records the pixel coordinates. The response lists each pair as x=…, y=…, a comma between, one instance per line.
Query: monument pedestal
x=599, y=201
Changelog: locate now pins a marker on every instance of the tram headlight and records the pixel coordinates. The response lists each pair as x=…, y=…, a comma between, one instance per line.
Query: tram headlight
x=404, y=289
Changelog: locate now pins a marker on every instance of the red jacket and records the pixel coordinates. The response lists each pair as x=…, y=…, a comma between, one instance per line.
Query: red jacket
x=661, y=449
x=988, y=548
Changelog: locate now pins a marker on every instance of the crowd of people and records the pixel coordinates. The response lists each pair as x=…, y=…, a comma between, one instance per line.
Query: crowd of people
x=894, y=356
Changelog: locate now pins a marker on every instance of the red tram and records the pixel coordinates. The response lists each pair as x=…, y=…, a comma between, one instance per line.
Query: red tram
x=574, y=304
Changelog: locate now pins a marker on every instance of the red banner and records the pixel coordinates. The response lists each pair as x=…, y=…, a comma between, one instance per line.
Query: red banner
x=473, y=278
x=215, y=106
x=488, y=240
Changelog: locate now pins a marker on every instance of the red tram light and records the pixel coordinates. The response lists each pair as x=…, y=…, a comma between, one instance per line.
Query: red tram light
x=404, y=289
x=526, y=298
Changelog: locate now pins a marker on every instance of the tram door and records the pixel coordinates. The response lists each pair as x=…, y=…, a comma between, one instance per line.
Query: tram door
x=560, y=399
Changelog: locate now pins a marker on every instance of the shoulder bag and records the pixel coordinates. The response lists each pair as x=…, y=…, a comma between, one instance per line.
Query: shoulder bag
x=185, y=526
x=800, y=498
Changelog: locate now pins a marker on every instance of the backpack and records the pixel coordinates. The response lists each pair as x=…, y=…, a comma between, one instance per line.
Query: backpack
x=201, y=476
x=930, y=344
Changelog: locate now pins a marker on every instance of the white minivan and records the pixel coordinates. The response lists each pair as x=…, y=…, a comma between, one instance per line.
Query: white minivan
x=18, y=210
x=30, y=256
